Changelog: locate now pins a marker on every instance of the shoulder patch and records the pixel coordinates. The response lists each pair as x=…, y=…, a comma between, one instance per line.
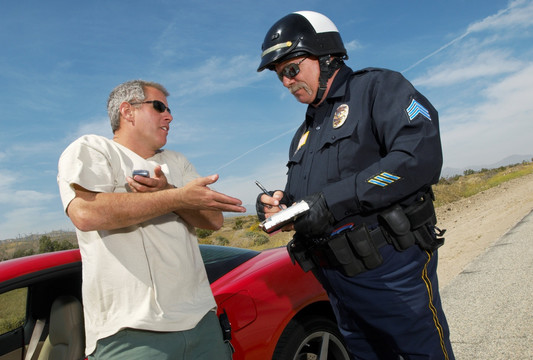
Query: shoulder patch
x=415, y=108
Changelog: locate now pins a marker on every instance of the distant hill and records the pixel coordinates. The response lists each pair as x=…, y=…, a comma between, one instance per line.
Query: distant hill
x=56, y=235
x=29, y=245
x=510, y=160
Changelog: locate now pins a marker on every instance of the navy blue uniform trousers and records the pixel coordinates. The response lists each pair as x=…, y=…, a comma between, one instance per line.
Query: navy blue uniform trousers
x=393, y=311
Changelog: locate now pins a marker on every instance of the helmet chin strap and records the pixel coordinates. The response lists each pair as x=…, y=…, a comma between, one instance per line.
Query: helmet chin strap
x=328, y=66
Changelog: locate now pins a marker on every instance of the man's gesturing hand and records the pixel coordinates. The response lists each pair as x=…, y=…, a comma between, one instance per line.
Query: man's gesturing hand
x=196, y=195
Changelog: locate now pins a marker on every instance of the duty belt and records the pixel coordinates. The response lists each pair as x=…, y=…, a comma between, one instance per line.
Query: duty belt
x=355, y=249
x=352, y=251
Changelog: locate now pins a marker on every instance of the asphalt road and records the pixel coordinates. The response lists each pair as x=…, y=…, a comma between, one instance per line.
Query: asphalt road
x=489, y=306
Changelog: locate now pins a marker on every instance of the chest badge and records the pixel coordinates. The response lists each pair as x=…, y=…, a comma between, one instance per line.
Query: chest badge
x=302, y=141
x=340, y=115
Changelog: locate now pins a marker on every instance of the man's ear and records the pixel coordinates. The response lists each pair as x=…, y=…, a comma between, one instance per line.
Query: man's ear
x=126, y=111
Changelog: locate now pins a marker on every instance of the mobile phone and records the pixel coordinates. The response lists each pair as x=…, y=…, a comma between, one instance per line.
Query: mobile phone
x=144, y=173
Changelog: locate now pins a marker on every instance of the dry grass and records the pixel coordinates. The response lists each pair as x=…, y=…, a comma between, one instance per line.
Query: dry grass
x=13, y=309
x=460, y=187
x=242, y=231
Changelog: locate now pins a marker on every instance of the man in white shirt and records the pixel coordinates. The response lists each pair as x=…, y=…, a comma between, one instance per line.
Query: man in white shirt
x=145, y=289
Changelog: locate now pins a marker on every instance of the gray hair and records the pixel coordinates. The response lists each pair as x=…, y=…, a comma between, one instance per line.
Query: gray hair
x=127, y=92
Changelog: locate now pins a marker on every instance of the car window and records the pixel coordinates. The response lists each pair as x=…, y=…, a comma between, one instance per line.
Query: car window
x=13, y=309
x=219, y=260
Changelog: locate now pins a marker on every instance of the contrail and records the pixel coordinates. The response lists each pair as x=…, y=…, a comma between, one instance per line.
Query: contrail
x=470, y=29
x=437, y=51
x=255, y=148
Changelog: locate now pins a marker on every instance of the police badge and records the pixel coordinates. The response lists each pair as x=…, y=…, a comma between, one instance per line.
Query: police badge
x=340, y=115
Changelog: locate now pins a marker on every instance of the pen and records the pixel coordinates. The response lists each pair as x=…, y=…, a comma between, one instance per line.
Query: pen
x=265, y=191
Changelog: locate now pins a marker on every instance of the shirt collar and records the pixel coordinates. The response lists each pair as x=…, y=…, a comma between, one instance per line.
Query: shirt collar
x=338, y=87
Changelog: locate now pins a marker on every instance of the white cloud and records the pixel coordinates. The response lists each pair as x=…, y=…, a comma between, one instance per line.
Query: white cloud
x=500, y=126
x=97, y=126
x=518, y=86
x=352, y=46
x=518, y=14
x=32, y=220
x=487, y=86
x=24, y=197
x=29, y=211
x=468, y=66
x=184, y=131
x=215, y=75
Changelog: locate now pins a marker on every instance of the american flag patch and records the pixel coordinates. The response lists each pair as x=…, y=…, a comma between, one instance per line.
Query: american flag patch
x=415, y=108
x=384, y=179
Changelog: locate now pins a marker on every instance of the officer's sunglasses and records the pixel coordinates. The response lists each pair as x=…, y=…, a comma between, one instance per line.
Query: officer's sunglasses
x=291, y=70
x=159, y=106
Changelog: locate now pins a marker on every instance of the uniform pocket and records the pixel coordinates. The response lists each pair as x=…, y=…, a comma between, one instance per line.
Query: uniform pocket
x=338, y=148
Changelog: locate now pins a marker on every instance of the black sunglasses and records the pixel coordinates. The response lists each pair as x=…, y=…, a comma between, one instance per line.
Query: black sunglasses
x=159, y=106
x=291, y=70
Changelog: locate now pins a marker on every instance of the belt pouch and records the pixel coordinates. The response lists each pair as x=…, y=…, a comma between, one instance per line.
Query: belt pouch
x=341, y=251
x=423, y=220
x=361, y=241
x=421, y=213
x=427, y=239
x=300, y=254
x=398, y=226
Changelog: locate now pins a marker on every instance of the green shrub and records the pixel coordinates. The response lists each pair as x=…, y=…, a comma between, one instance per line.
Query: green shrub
x=257, y=238
x=221, y=240
x=239, y=223
x=203, y=233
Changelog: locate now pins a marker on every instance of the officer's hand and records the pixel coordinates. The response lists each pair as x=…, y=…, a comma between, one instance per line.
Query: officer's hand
x=316, y=222
x=268, y=205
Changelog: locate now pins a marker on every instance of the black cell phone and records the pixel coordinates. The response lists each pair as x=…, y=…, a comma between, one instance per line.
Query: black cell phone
x=144, y=173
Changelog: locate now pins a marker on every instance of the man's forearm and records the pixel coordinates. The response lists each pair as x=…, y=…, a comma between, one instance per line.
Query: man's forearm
x=203, y=219
x=195, y=203
x=109, y=211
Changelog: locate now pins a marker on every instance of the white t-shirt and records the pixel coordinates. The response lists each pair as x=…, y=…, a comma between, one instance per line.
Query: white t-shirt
x=149, y=276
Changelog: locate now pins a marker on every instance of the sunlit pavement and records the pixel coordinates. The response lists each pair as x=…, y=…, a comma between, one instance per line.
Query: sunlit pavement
x=489, y=305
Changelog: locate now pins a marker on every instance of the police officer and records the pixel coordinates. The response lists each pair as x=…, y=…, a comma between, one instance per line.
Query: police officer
x=364, y=159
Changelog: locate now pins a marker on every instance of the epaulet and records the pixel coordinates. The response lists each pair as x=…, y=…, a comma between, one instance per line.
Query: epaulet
x=367, y=70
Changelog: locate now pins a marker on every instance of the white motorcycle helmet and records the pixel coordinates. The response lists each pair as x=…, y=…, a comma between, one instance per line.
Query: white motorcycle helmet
x=304, y=33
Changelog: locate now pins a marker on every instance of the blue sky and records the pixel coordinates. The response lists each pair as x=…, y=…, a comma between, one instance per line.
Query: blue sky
x=60, y=59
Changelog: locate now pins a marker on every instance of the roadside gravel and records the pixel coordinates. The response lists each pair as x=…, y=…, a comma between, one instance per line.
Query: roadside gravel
x=476, y=223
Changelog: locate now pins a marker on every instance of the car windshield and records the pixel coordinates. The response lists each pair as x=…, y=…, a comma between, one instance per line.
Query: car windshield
x=219, y=260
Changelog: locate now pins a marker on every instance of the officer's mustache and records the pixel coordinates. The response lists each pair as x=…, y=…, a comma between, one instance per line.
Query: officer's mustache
x=300, y=85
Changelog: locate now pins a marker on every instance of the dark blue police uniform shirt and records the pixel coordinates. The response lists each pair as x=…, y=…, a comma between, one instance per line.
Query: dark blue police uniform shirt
x=372, y=143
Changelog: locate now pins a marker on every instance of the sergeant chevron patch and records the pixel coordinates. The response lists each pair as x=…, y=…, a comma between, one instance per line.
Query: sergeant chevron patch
x=384, y=179
x=415, y=108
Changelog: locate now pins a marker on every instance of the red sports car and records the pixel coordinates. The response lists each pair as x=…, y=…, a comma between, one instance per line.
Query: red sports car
x=276, y=310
